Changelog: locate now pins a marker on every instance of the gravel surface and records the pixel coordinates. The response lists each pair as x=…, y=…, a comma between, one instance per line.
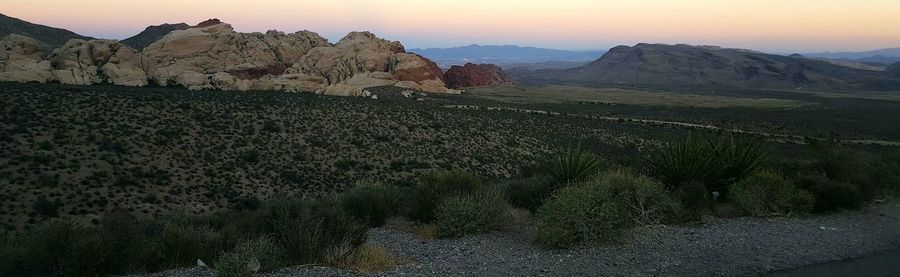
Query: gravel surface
x=740, y=246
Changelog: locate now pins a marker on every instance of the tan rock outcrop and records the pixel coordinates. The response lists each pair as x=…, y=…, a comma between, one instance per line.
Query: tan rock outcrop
x=213, y=56
x=21, y=60
x=289, y=48
x=81, y=62
x=206, y=50
x=356, y=53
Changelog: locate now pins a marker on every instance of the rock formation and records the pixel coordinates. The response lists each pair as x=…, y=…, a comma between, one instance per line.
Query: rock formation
x=212, y=55
x=475, y=75
x=81, y=62
x=21, y=60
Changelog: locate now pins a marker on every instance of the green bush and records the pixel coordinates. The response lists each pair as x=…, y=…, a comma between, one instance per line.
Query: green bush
x=830, y=195
x=434, y=187
x=694, y=196
x=304, y=230
x=601, y=209
x=179, y=245
x=646, y=200
x=690, y=160
x=574, y=164
x=373, y=204
x=874, y=175
x=247, y=258
x=529, y=193
x=767, y=193
x=474, y=213
x=308, y=229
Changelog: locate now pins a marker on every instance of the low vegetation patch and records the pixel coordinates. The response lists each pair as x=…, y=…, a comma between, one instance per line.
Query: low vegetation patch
x=282, y=232
x=367, y=258
x=767, y=193
x=601, y=209
x=474, y=213
x=435, y=187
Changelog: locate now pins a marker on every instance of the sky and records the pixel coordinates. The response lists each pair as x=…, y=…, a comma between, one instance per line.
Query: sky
x=766, y=25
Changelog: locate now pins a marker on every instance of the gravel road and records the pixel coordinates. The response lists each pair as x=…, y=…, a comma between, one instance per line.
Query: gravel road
x=732, y=247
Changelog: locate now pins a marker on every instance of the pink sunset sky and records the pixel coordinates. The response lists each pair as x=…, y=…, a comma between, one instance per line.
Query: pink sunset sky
x=767, y=25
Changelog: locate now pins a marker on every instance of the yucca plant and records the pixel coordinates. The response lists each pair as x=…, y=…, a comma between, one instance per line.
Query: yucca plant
x=692, y=159
x=740, y=157
x=574, y=164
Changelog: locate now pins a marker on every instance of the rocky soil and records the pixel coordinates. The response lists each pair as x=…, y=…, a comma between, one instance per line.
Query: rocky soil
x=732, y=247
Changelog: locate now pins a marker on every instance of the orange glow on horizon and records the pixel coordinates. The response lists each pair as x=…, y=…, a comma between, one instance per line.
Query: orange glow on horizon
x=809, y=25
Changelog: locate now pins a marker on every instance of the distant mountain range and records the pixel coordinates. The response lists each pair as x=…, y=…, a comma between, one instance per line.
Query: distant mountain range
x=50, y=38
x=508, y=55
x=881, y=56
x=669, y=66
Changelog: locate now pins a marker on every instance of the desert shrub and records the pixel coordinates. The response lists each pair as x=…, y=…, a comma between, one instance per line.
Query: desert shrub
x=247, y=258
x=767, y=193
x=646, y=201
x=601, y=209
x=474, y=213
x=690, y=160
x=59, y=248
x=180, y=244
x=574, y=164
x=367, y=258
x=873, y=174
x=830, y=195
x=373, y=203
x=529, y=193
x=308, y=229
x=434, y=187
x=45, y=207
x=694, y=196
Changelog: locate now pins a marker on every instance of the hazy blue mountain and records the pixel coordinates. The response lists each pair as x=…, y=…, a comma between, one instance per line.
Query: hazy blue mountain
x=51, y=37
x=504, y=55
x=882, y=56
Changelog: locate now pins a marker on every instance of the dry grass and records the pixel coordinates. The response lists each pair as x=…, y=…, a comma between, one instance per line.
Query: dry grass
x=428, y=231
x=368, y=258
x=568, y=94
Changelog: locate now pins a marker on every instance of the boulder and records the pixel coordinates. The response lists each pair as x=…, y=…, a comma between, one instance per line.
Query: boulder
x=208, y=49
x=476, y=75
x=21, y=60
x=81, y=62
x=412, y=67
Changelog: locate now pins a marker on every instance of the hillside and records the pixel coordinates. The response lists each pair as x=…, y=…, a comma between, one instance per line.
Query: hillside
x=660, y=65
x=152, y=34
x=503, y=55
x=49, y=37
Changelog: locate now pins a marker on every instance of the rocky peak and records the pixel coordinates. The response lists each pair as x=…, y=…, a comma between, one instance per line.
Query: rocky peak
x=208, y=22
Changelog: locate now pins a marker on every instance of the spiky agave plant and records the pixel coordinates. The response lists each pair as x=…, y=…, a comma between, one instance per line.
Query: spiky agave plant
x=740, y=157
x=574, y=164
x=685, y=161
